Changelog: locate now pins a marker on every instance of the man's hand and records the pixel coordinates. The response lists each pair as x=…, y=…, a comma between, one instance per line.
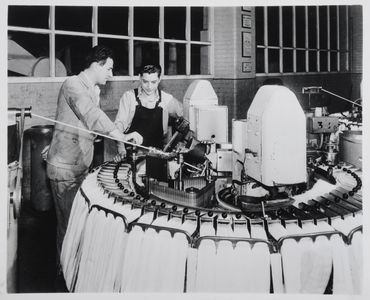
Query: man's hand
x=134, y=137
x=119, y=157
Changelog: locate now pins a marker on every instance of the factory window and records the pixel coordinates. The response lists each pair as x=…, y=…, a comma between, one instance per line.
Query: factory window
x=301, y=39
x=52, y=41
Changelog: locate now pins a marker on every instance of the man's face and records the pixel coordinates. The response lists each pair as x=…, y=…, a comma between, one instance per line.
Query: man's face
x=104, y=71
x=149, y=83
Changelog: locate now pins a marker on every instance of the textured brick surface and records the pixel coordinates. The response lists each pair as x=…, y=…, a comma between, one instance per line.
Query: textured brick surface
x=237, y=94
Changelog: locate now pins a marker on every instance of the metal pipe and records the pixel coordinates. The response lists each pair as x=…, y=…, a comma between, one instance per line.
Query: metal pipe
x=340, y=97
x=93, y=132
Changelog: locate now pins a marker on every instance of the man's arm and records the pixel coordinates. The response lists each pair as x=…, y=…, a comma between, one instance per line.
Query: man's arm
x=132, y=137
x=126, y=111
x=125, y=114
x=85, y=109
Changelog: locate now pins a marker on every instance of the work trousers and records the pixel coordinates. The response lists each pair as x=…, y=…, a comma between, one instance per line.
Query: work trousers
x=64, y=185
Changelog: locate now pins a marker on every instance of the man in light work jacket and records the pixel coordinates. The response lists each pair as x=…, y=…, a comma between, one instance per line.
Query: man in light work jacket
x=71, y=150
x=146, y=109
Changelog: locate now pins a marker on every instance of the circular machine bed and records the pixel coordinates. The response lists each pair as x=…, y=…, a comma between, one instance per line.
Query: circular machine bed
x=121, y=239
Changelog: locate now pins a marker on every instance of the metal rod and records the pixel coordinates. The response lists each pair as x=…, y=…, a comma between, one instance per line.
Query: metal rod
x=171, y=141
x=191, y=166
x=263, y=209
x=299, y=213
x=357, y=205
x=326, y=210
x=339, y=205
x=90, y=131
x=18, y=187
x=340, y=97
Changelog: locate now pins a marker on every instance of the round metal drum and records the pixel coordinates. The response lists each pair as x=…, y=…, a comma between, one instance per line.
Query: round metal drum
x=13, y=143
x=40, y=137
x=350, y=147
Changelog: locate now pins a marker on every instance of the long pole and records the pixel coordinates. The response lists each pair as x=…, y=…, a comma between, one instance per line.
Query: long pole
x=90, y=131
x=340, y=97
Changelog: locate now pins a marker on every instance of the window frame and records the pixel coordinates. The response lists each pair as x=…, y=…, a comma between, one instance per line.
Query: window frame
x=306, y=49
x=52, y=32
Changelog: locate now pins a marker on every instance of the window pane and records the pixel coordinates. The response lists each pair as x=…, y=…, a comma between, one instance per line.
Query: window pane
x=343, y=60
x=73, y=18
x=343, y=28
x=323, y=18
x=312, y=61
x=71, y=51
x=287, y=26
x=145, y=53
x=301, y=61
x=273, y=59
x=199, y=24
x=300, y=27
x=323, y=61
x=333, y=27
x=259, y=15
x=146, y=21
x=174, y=23
x=24, y=51
x=174, y=59
x=199, y=59
x=288, y=61
x=120, y=50
x=113, y=20
x=29, y=16
x=273, y=25
x=333, y=61
x=260, y=60
x=312, y=27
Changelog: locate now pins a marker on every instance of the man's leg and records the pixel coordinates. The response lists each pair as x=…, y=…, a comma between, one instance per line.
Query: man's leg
x=64, y=193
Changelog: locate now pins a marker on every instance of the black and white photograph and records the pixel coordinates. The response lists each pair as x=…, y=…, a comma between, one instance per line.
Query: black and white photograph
x=189, y=149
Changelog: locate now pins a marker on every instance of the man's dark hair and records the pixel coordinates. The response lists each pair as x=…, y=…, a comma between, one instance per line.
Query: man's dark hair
x=98, y=54
x=151, y=69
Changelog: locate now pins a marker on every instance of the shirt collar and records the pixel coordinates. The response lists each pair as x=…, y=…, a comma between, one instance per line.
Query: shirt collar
x=86, y=80
x=142, y=94
x=94, y=88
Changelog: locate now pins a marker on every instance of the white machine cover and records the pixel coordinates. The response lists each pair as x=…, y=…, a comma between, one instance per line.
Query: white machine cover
x=199, y=92
x=276, y=137
x=211, y=123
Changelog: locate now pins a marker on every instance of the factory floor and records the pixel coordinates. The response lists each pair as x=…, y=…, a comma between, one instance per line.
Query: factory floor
x=36, y=271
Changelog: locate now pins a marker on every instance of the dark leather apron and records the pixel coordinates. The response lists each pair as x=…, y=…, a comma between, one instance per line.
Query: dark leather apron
x=148, y=122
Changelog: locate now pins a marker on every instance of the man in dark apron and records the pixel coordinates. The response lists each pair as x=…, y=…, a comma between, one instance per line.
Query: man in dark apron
x=148, y=123
x=146, y=109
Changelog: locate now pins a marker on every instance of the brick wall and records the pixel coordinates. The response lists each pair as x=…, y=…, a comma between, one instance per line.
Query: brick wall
x=356, y=29
x=225, y=42
x=237, y=94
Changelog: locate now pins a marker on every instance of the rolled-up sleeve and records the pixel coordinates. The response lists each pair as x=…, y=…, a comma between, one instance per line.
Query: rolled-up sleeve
x=86, y=110
x=126, y=111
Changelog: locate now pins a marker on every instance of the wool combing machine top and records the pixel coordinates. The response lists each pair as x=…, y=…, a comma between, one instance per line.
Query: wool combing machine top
x=257, y=215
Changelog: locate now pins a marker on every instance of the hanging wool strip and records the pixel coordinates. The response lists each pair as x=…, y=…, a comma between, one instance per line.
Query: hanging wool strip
x=260, y=261
x=205, y=273
x=71, y=250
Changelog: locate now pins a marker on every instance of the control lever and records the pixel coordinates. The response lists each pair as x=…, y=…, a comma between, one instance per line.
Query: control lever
x=325, y=175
